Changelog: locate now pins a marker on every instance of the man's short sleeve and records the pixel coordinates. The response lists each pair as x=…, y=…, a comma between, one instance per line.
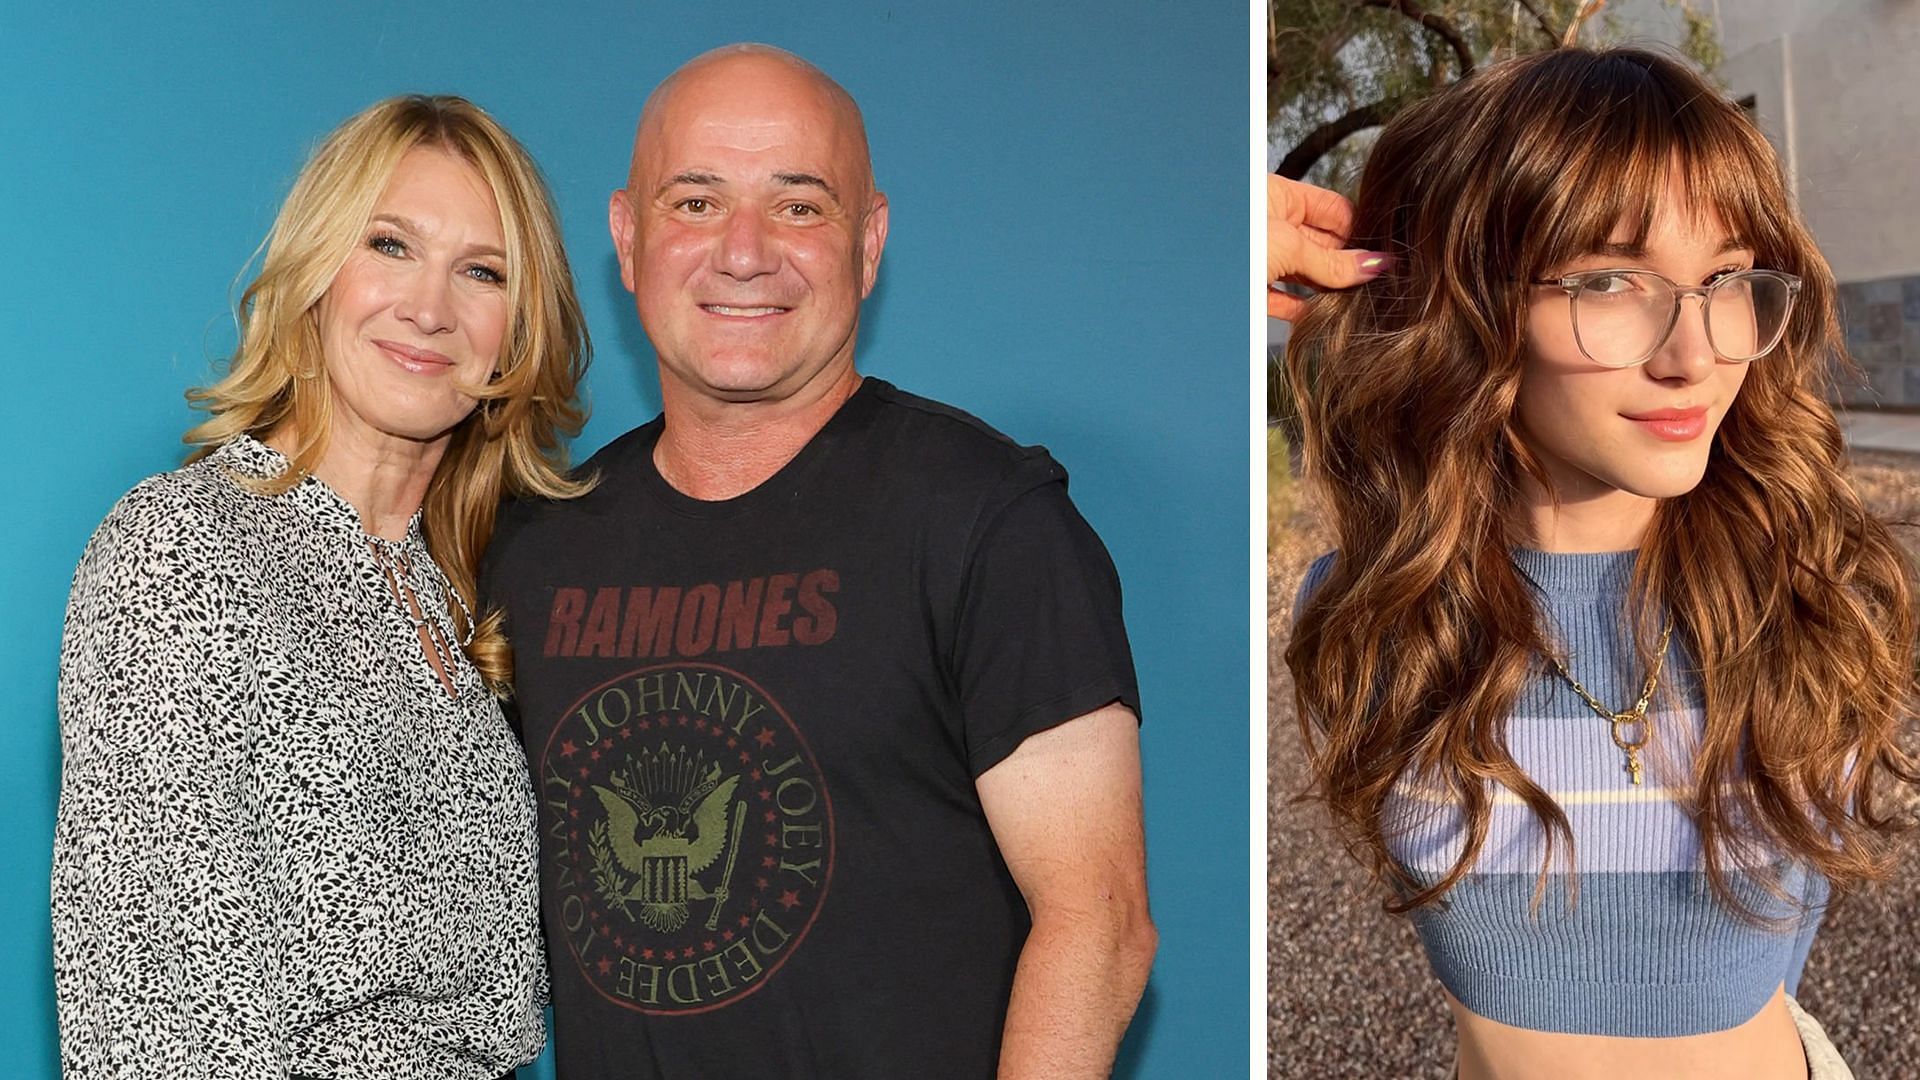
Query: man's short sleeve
x=1039, y=637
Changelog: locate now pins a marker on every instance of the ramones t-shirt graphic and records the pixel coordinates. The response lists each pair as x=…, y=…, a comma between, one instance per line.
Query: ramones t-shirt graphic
x=755, y=727
x=691, y=840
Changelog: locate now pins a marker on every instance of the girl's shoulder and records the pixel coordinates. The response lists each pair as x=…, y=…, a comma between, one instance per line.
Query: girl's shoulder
x=1311, y=581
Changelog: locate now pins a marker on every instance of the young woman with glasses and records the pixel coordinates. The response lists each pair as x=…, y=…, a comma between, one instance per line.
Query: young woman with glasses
x=1606, y=678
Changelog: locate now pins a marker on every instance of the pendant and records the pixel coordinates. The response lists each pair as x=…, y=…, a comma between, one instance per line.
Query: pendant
x=1632, y=747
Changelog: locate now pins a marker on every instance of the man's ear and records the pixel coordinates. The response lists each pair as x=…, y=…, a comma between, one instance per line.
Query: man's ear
x=620, y=223
x=873, y=241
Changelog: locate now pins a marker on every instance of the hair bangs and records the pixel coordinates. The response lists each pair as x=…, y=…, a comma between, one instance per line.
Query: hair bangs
x=1641, y=138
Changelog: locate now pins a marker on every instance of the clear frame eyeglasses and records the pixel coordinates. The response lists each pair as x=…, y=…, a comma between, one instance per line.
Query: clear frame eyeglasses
x=1621, y=317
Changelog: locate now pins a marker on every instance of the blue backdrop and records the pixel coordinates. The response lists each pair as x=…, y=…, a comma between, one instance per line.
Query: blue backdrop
x=1067, y=260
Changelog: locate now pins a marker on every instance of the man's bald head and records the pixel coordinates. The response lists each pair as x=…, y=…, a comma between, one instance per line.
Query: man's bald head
x=748, y=72
x=750, y=230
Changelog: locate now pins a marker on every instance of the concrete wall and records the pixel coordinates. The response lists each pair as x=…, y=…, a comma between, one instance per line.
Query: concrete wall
x=1836, y=86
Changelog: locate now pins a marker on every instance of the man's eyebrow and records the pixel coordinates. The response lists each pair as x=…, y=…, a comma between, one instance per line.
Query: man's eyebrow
x=692, y=177
x=696, y=178
x=800, y=179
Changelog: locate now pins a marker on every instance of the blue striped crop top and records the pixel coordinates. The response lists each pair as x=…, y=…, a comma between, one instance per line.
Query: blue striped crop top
x=1647, y=949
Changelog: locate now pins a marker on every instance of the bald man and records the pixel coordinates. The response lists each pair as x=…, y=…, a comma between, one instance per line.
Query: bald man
x=825, y=686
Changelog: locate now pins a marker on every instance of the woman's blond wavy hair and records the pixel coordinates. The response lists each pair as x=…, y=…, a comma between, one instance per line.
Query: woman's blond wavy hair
x=1793, y=602
x=514, y=441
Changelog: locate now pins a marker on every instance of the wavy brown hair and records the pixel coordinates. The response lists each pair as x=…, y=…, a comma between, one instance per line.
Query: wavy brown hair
x=513, y=443
x=1795, y=604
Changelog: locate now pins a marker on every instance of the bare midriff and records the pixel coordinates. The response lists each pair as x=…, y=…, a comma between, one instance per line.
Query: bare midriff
x=1765, y=1047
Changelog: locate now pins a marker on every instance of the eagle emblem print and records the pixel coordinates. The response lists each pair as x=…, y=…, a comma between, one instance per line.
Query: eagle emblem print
x=681, y=805
x=689, y=837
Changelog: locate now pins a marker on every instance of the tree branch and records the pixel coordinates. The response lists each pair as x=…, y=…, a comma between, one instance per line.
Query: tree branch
x=1330, y=134
x=1447, y=31
x=1588, y=9
x=1553, y=36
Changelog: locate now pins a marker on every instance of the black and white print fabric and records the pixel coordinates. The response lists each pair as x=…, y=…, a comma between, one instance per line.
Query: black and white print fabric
x=283, y=848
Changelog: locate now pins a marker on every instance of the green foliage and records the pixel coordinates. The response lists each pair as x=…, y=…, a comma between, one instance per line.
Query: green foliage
x=1702, y=41
x=1328, y=58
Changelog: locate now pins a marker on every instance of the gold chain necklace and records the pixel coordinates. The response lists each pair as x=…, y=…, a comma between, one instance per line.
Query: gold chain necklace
x=1636, y=716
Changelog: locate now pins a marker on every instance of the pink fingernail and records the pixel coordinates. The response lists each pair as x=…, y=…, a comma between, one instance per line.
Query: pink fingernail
x=1375, y=263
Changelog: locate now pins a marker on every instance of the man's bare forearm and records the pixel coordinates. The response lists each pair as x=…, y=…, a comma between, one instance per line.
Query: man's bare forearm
x=1078, y=982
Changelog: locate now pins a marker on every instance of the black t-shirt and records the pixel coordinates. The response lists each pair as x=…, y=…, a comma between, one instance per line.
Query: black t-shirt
x=755, y=726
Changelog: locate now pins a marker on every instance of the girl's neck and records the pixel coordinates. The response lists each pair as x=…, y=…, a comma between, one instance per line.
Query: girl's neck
x=1587, y=517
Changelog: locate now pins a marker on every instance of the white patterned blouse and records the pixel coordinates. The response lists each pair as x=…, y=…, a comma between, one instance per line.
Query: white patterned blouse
x=283, y=848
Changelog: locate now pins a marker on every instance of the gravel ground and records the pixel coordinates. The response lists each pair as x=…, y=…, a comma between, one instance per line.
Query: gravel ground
x=1348, y=991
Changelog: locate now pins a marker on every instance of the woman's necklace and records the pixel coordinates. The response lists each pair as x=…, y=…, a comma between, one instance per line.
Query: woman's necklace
x=1636, y=716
